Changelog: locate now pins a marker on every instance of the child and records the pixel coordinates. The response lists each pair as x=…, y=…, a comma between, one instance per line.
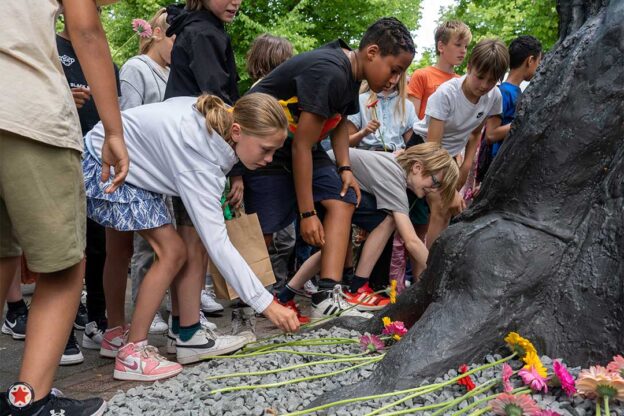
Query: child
x=143, y=81
x=42, y=208
x=317, y=90
x=456, y=114
x=385, y=120
x=451, y=43
x=424, y=169
x=202, y=61
x=525, y=55
x=184, y=147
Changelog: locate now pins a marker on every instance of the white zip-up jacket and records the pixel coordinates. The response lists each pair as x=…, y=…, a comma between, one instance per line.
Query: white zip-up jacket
x=172, y=153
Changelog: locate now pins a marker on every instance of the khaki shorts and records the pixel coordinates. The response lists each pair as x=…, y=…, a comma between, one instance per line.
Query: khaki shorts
x=42, y=203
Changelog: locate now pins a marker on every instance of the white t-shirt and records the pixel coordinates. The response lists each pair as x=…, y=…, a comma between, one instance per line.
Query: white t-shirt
x=35, y=101
x=460, y=116
x=172, y=153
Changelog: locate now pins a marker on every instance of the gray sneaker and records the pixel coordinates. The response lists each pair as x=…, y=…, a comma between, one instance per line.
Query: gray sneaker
x=244, y=323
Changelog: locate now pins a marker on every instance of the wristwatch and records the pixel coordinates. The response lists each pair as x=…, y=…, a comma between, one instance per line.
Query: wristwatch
x=343, y=168
x=307, y=214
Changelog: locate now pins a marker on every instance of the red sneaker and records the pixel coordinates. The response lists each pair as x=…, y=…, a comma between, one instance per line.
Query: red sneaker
x=293, y=306
x=365, y=299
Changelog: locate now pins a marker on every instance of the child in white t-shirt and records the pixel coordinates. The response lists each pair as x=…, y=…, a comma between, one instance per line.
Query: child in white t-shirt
x=455, y=115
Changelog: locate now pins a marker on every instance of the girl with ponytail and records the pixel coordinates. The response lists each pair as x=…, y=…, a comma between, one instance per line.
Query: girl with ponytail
x=181, y=147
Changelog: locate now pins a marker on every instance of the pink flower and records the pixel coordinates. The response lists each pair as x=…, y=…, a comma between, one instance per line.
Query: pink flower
x=396, y=329
x=564, y=377
x=507, y=404
x=617, y=365
x=371, y=343
x=546, y=412
x=507, y=373
x=533, y=379
x=142, y=28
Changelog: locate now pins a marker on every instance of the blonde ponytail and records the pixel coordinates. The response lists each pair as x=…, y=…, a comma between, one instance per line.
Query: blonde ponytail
x=159, y=20
x=218, y=116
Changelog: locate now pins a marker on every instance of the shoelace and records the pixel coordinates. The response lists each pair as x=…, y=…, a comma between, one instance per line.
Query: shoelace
x=149, y=351
x=339, y=297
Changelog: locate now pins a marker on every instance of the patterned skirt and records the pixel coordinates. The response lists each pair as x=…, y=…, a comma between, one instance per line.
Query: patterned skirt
x=128, y=208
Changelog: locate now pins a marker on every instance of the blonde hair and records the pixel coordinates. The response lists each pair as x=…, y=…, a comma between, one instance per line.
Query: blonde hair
x=433, y=158
x=257, y=114
x=489, y=57
x=445, y=32
x=159, y=20
x=399, y=108
x=266, y=53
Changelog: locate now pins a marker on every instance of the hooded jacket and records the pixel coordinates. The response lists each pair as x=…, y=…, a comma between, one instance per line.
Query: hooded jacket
x=202, y=59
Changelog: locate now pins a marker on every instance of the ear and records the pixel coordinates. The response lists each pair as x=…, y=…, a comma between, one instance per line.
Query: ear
x=236, y=132
x=417, y=167
x=157, y=33
x=440, y=46
x=372, y=50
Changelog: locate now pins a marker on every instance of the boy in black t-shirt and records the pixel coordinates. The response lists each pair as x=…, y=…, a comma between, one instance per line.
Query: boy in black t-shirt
x=318, y=89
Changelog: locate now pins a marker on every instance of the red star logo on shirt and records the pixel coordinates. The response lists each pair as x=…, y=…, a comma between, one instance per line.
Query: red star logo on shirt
x=20, y=396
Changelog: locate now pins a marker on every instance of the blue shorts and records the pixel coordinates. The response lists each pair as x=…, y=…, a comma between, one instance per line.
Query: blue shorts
x=273, y=197
x=366, y=215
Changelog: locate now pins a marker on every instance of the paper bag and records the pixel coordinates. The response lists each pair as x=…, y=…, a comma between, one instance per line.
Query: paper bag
x=245, y=234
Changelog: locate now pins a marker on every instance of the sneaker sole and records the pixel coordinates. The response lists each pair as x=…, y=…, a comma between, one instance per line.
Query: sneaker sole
x=89, y=344
x=108, y=353
x=208, y=355
x=158, y=332
x=78, y=327
x=8, y=331
x=72, y=360
x=213, y=310
x=365, y=308
x=100, y=411
x=127, y=376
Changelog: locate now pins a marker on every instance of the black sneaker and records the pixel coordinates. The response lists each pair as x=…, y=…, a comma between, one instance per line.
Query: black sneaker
x=72, y=354
x=15, y=324
x=63, y=406
x=82, y=319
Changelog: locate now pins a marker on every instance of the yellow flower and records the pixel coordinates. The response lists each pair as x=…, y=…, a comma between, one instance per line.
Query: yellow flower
x=396, y=337
x=393, y=291
x=386, y=321
x=532, y=360
x=519, y=345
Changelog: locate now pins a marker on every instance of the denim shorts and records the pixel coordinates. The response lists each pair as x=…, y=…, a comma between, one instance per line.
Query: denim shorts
x=274, y=199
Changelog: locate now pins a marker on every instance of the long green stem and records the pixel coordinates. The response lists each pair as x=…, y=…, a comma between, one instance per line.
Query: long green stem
x=598, y=408
x=484, y=387
x=396, y=393
x=355, y=358
x=304, y=342
x=519, y=390
x=481, y=411
x=406, y=398
x=117, y=50
x=606, y=406
x=255, y=354
x=297, y=380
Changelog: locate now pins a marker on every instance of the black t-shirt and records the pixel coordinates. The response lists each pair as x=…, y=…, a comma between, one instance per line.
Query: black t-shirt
x=88, y=114
x=319, y=82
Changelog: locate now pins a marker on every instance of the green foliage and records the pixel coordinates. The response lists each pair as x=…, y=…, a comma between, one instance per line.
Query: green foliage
x=306, y=23
x=507, y=20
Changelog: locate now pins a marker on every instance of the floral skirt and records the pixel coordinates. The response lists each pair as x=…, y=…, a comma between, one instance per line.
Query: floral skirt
x=128, y=208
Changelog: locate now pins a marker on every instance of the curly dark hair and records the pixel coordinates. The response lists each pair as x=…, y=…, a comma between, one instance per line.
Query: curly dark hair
x=390, y=35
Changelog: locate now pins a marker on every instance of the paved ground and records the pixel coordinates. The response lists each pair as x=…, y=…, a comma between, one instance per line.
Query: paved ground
x=95, y=375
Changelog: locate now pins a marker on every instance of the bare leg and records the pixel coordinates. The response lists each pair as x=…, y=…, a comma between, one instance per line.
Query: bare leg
x=373, y=247
x=170, y=257
x=308, y=269
x=46, y=333
x=15, y=290
x=337, y=226
x=115, y=276
x=8, y=270
x=191, y=278
x=438, y=220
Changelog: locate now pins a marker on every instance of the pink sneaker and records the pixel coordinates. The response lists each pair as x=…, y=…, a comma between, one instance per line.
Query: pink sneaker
x=142, y=362
x=113, y=339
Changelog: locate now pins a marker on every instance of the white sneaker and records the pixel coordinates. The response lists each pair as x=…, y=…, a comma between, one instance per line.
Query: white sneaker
x=335, y=305
x=158, y=326
x=170, y=346
x=208, y=302
x=206, y=324
x=205, y=344
x=309, y=288
x=244, y=323
x=92, y=337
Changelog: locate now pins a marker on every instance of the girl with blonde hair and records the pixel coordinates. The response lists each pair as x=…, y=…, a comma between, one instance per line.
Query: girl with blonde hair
x=183, y=147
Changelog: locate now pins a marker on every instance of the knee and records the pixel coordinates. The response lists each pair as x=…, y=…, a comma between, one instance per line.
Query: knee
x=174, y=254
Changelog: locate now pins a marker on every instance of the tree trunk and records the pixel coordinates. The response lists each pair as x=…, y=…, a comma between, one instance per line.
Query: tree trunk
x=541, y=250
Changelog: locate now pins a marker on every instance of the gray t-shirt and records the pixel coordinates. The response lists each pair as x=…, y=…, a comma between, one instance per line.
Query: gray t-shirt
x=142, y=82
x=379, y=174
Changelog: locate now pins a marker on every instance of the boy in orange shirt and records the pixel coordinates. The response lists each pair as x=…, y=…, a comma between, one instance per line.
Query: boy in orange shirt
x=451, y=40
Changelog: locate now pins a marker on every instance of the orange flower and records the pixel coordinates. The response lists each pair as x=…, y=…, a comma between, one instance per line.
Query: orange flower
x=600, y=382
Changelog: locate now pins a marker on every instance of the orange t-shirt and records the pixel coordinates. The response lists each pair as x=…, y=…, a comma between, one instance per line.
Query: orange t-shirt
x=424, y=82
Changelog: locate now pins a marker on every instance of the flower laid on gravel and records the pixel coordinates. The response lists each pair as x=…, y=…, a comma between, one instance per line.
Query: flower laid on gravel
x=617, y=365
x=465, y=381
x=506, y=404
x=532, y=378
x=396, y=329
x=532, y=360
x=393, y=291
x=599, y=382
x=371, y=343
x=142, y=28
x=564, y=378
x=507, y=372
x=519, y=345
